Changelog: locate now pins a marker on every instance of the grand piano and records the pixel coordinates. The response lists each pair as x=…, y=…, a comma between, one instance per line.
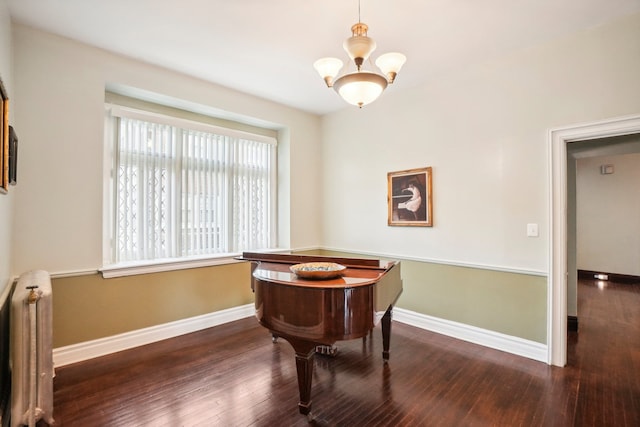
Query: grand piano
x=313, y=314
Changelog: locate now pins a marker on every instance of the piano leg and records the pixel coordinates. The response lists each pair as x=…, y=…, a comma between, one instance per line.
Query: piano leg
x=305, y=350
x=386, y=333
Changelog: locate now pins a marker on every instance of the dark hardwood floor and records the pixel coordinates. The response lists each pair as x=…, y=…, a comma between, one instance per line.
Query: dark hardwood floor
x=233, y=375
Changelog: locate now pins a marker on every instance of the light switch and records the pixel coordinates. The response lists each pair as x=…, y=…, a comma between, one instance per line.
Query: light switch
x=532, y=230
x=606, y=169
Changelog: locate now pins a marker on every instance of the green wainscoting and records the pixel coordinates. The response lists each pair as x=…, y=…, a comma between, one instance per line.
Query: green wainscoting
x=510, y=303
x=89, y=307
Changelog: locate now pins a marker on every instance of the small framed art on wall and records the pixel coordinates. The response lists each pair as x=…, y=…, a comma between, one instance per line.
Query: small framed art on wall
x=409, y=198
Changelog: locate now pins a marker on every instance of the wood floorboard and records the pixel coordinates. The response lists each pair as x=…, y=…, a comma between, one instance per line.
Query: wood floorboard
x=233, y=375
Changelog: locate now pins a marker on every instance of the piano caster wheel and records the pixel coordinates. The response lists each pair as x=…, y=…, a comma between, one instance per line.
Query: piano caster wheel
x=274, y=339
x=327, y=350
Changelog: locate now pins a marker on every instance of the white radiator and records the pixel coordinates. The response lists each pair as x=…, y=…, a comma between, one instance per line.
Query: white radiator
x=31, y=350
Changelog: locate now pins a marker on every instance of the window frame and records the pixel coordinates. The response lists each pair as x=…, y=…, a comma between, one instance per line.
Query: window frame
x=113, y=269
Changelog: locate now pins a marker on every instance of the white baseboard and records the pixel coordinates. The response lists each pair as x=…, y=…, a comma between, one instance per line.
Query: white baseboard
x=507, y=343
x=103, y=346
x=87, y=350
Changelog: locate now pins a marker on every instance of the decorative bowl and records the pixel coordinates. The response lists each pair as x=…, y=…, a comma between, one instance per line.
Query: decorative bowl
x=318, y=270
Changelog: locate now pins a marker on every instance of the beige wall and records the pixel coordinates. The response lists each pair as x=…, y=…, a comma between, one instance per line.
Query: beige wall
x=482, y=129
x=6, y=200
x=59, y=111
x=608, y=214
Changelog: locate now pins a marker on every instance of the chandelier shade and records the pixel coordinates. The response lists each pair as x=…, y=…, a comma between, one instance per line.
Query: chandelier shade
x=328, y=68
x=360, y=87
x=390, y=64
x=359, y=47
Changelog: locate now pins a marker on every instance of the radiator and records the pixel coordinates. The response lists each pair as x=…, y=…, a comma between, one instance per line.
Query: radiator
x=31, y=350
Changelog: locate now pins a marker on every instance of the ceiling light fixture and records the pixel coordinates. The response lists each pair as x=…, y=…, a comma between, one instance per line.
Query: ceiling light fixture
x=360, y=87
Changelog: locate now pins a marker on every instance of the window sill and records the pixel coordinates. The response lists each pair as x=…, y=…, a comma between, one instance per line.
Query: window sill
x=157, y=266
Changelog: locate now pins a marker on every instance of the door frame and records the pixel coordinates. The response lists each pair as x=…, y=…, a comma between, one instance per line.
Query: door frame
x=557, y=279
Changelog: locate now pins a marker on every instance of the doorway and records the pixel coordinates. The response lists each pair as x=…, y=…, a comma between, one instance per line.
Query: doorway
x=602, y=211
x=559, y=140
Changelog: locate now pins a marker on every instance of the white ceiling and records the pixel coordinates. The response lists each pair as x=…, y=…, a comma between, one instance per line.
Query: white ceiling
x=267, y=47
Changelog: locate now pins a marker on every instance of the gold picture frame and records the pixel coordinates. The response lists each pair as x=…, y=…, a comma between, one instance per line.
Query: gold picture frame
x=409, y=198
x=4, y=139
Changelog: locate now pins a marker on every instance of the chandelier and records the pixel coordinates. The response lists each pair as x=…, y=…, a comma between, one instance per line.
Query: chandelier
x=360, y=87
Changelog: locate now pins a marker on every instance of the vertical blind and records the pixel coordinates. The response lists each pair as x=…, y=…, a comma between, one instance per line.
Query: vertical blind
x=182, y=191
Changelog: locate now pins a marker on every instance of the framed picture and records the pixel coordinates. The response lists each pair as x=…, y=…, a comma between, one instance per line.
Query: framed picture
x=409, y=198
x=13, y=156
x=4, y=139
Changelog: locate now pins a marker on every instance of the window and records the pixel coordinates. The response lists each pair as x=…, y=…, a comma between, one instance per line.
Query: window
x=182, y=189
